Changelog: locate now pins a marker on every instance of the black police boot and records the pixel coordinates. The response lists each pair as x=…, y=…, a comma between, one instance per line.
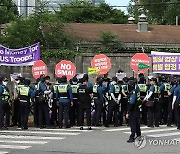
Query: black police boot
x=60, y=127
x=131, y=140
x=3, y=128
x=89, y=128
x=68, y=126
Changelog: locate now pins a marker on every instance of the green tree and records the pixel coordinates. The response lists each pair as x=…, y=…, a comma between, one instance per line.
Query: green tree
x=157, y=11
x=8, y=11
x=45, y=29
x=110, y=42
x=85, y=12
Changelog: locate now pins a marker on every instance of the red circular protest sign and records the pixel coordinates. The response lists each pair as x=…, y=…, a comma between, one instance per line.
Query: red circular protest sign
x=140, y=63
x=101, y=62
x=39, y=68
x=67, y=68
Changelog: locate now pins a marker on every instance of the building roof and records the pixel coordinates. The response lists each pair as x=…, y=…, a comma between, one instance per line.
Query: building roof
x=127, y=33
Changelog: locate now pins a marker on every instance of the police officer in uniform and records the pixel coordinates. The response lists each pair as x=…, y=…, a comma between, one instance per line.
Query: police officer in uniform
x=133, y=112
x=54, y=118
x=1, y=106
x=43, y=104
x=64, y=99
x=5, y=100
x=153, y=109
x=164, y=87
x=176, y=104
x=105, y=84
x=25, y=93
x=124, y=100
x=84, y=97
x=36, y=103
x=114, y=101
x=74, y=110
x=17, y=109
x=98, y=101
x=143, y=89
x=174, y=84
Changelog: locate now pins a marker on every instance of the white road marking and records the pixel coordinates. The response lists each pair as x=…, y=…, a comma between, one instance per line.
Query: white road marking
x=3, y=152
x=14, y=147
x=128, y=128
x=40, y=132
x=155, y=130
x=164, y=135
x=60, y=130
x=23, y=142
x=31, y=137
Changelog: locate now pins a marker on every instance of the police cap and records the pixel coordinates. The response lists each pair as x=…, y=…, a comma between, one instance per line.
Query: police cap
x=74, y=79
x=64, y=78
x=125, y=79
x=114, y=78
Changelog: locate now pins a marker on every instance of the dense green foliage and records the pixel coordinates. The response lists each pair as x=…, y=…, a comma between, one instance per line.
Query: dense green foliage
x=85, y=12
x=158, y=11
x=48, y=28
x=8, y=11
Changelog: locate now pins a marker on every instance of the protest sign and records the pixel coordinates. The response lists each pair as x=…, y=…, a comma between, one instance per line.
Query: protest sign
x=166, y=63
x=19, y=57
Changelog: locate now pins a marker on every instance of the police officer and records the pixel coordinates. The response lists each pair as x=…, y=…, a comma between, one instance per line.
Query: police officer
x=36, y=103
x=133, y=112
x=25, y=93
x=86, y=77
x=1, y=106
x=54, y=118
x=174, y=83
x=105, y=85
x=6, y=101
x=143, y=89
x=74, y=110
x=124, y=100
x=84, y=97
x=153, y=95
x=176, y=104
x=114, y=101
x=164, y=87
x=64, y=99
x=43, y=104
x=98, y=101
x=17, y=109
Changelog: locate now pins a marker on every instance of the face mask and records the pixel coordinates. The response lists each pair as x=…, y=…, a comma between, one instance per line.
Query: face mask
x=47, y=81
x=5, y=83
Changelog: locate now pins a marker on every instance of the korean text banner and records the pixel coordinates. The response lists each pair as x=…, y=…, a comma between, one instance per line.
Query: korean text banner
x=19, y=57
x=165, y=63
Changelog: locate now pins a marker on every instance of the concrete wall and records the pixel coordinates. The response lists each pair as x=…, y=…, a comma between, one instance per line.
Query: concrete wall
x=118, y=60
